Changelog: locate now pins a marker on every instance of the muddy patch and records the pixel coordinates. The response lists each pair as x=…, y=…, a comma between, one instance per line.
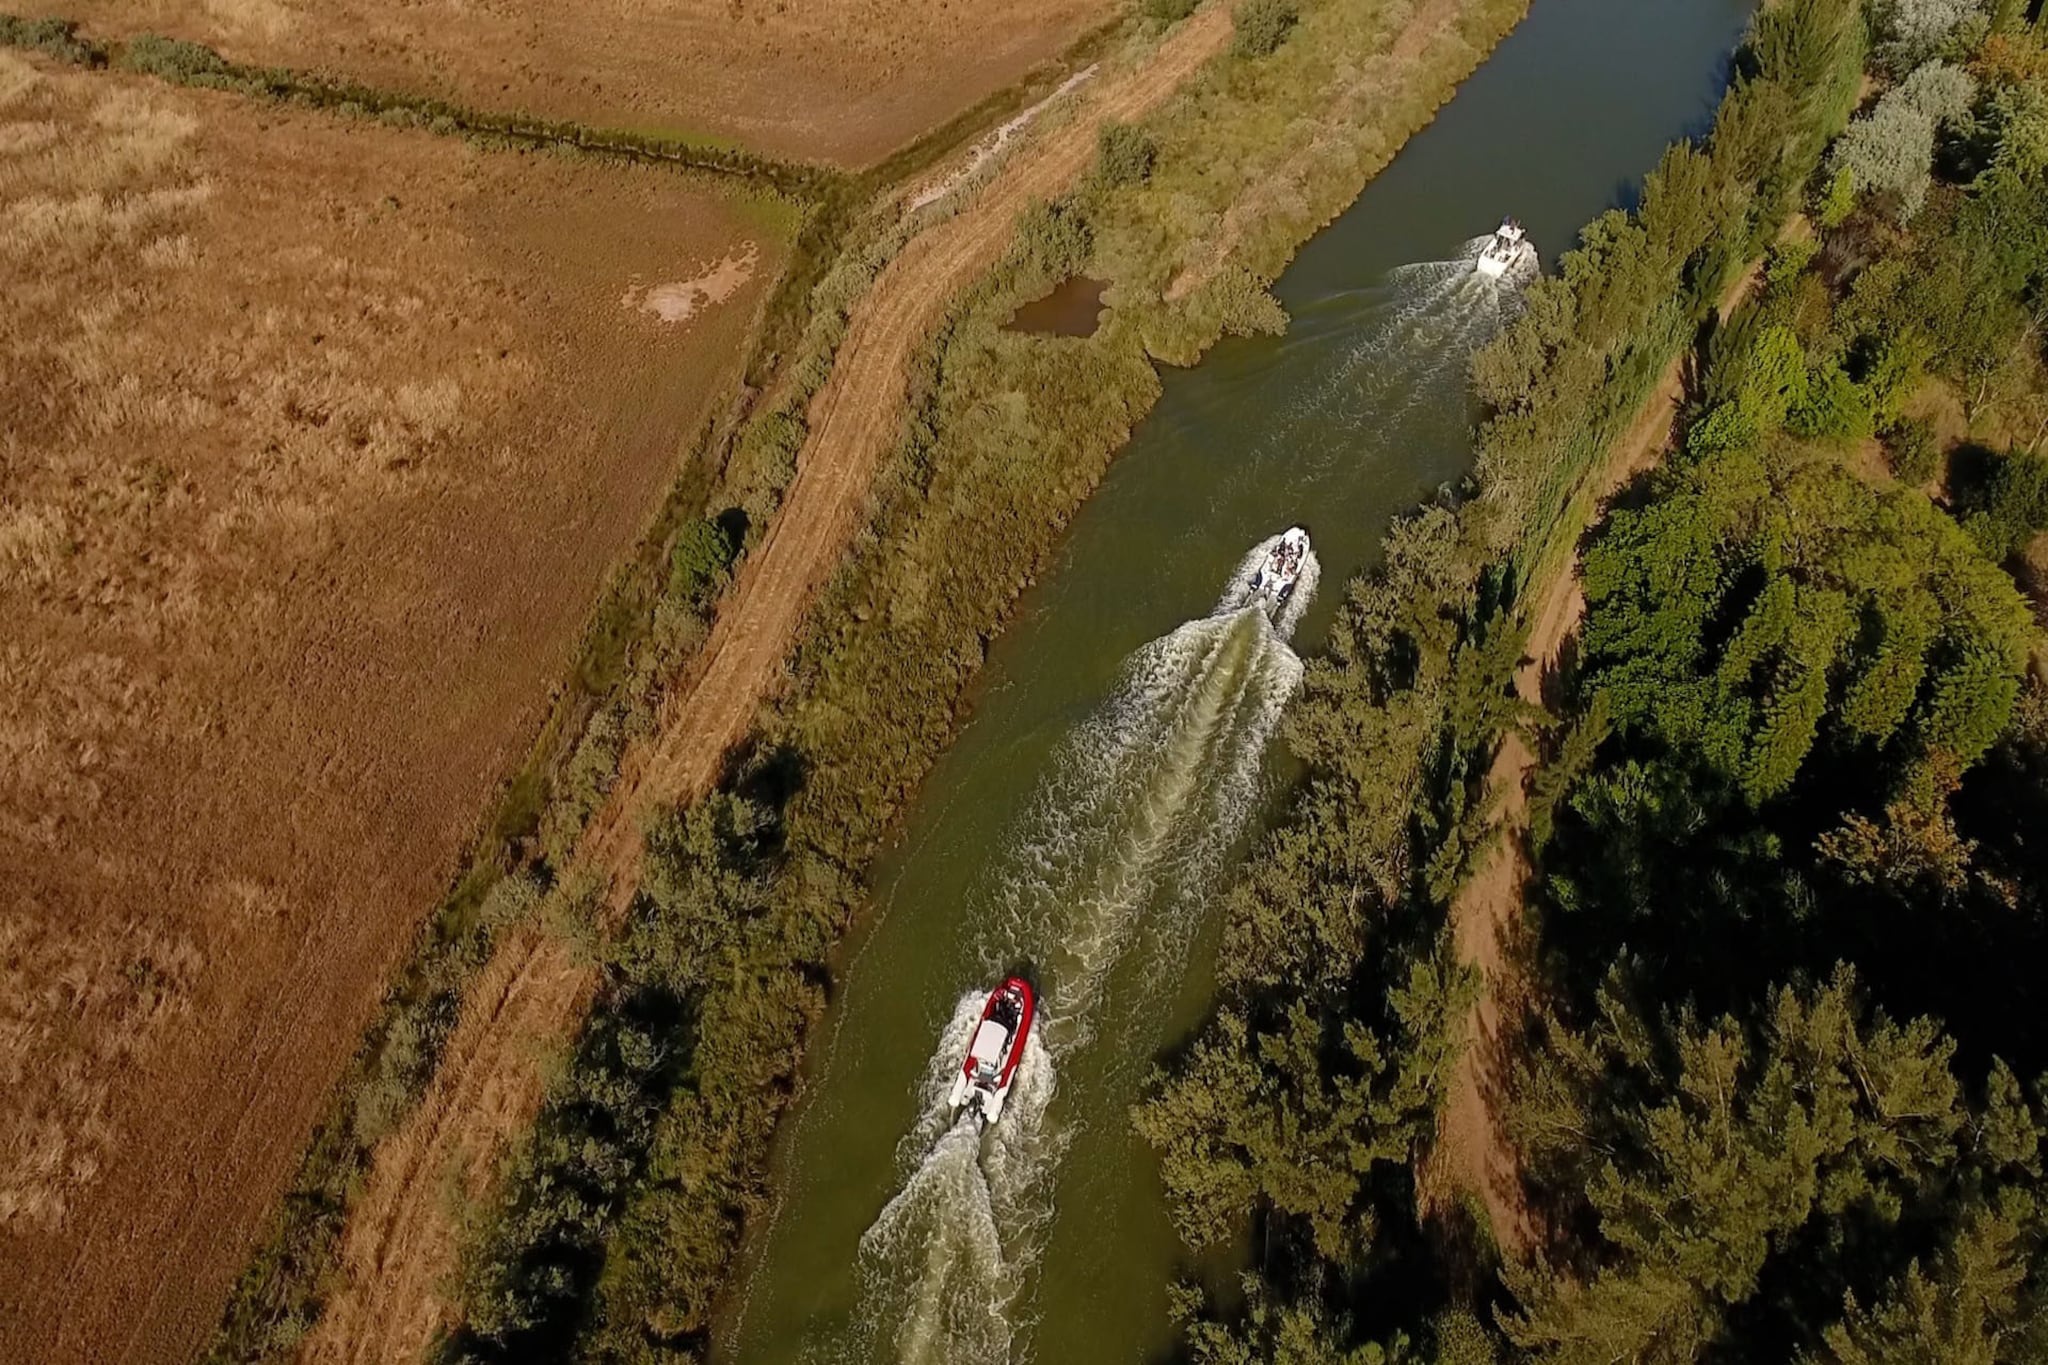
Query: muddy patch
x=1072, y=309
x=681, y=300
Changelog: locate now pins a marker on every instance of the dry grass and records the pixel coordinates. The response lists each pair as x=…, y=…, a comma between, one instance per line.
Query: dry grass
x=839, y=81
x=319, y=441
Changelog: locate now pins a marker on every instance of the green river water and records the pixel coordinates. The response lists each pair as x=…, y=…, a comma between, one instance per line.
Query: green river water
x=1118, y=757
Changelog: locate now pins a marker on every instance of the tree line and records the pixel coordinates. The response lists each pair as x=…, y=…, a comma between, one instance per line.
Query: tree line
x=1776, y=1097
x=1783, y=1097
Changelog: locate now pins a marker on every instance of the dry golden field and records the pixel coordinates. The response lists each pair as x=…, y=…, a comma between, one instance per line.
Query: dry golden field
x=837, y=81
x=316, y=442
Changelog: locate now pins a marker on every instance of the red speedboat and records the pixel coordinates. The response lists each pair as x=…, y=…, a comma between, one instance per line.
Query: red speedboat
x=994, y=1051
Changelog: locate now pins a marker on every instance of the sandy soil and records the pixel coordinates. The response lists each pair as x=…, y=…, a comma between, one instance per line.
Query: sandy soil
x=838, y=81
x=320, y=441
x=1472, y=1154
x=400, y=1249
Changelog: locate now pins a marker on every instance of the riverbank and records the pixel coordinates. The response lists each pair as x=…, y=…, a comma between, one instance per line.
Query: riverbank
x=546, y=980
x=1344, y=423
x=1471, y=1157
x=897, y=635
x=1348, y=996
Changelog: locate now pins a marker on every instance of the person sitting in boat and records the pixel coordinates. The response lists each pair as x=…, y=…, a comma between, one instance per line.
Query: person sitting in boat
x=1008, y=1009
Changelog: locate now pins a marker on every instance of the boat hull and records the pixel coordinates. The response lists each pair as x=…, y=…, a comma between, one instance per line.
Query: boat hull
x=1273, y=582
x=982, y=1085
x=1506, y=249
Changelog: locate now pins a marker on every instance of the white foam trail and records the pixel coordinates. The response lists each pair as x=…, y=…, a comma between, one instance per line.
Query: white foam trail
x=1147, y=796
x=935, y=1277
x=1126, y=833
x=1237, y=594
x=1416, y=346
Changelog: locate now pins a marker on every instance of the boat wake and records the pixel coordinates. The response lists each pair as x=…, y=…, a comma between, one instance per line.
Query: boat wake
x=937, y=1283
x=1409, y=357
x=1126, y=834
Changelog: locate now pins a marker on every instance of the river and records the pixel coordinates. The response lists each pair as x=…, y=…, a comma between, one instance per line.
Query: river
x=1119, y=753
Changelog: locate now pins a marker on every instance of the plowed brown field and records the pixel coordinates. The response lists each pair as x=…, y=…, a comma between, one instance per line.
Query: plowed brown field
x=838, y=81
x=316, y=442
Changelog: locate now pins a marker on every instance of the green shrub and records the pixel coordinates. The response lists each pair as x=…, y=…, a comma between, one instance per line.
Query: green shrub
x=1834, y=408
x=1246, y=307
x=1125, y=155
x=583, y=782
x=1167, y=11
x=1838, y=200
x=400, y=1073
x=1461, y=1340
x=1911, y=448
x=1788, y=261
x=2012, y=506
x=174, y=59
x=1262, y=25
x=1054, y=238
x=698, y=564
x=53, y=37
x=1900, y=365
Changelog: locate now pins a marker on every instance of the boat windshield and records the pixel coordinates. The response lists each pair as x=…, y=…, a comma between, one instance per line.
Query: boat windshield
x=989, y=1041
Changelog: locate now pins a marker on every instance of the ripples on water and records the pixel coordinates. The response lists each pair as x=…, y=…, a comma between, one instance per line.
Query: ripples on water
x=1122, y=839
x=1120, y=848
x=1414, y=340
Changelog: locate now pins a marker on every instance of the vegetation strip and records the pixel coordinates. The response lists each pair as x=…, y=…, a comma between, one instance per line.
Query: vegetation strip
x=1470, y=1157
x=1795, y=744
x=194, y=64
x=1846, y=756
x=758, y=898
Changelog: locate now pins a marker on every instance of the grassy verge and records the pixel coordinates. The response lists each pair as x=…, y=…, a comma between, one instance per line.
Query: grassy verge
x=620, y=1216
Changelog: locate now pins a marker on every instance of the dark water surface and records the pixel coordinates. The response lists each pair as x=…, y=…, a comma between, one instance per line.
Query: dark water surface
x=1113, y=767
x=1072, y=309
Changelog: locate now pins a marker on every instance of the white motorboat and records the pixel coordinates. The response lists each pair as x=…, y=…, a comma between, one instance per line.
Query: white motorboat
x=1508, y=248
x=1273, y=581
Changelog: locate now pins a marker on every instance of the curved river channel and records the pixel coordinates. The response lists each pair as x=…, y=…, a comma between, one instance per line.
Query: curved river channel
x=1119, y=757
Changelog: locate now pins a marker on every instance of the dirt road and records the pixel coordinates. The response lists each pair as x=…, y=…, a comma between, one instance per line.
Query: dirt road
x=1472, y=1153
x=854, y=421
x=400, y=1246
